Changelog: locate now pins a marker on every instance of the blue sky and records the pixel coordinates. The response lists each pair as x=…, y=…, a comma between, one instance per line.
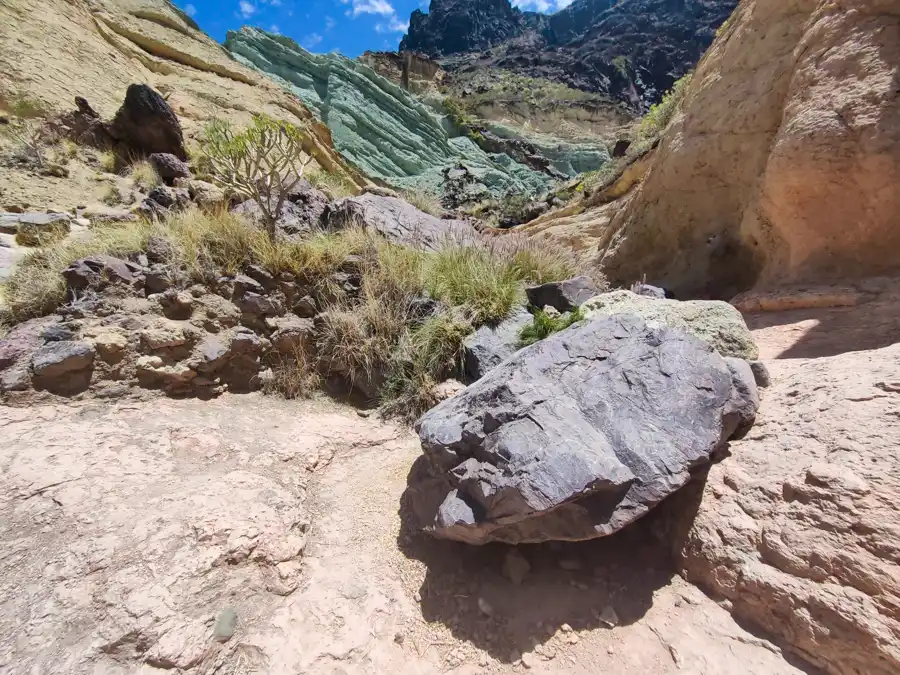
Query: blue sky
x=350, y=26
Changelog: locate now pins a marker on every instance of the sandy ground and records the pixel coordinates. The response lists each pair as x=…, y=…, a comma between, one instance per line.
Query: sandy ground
x=134, y=529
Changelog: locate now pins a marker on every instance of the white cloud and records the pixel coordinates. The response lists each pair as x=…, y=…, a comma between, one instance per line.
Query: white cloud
x=382, y=7
x=247, y=9
x=190, y=10
x=394, y=25
x=275, y=29
x=311, y=40
x=329, y=23
x=542, y=6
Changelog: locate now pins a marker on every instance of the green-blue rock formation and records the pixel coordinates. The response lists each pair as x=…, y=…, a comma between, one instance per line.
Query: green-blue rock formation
x=385, y=131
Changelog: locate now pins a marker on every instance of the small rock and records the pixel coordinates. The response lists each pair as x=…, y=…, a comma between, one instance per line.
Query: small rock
x=566, y=628
x=484, y=607
x=570, y=564
x=226, y=623
x=760, y=373
x=206, y=194
x=529, y=660
x=305, y=307
x=399, y=638
x=57, y=333
x=168, y=166
x=609, y=617
x=515, y=566
x=59, y=358
x=563, y=295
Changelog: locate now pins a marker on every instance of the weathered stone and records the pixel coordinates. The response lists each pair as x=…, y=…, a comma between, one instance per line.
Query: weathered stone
x=99, y=270
x=487, y=347
x=397, y=221
x=168, y=197
x=35, y=229
x=58, y=358
x=163, y=336
x=563, y=296
x=515, y=566
x=110, y=343
x=226, y=624
x=206, y=194
x=159, y=250
x=234, y=357
x=760, y=374
x=746, y=399
x=649, y=291
x=576, y=436
x=57, y=332
x=147, y=125
x=718, y=323
x=291, y=334
x=169, y=167
x=158, y=279
x=305, y=307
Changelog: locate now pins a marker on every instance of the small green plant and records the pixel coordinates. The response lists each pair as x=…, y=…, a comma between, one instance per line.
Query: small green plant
x=112, y=196
x=461, y=119
x=721, y=30
x=622, y=64
x=660, y=114
x=108, y=161
x=544, y=325
x=22, y=106
x=264, y=162
x=144, y=176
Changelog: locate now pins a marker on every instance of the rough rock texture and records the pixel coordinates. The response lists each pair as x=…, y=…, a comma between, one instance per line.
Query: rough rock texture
x=169, y=167
x=385, y=131
x=413, y=72
x=799, y=527
x=718, y=323
x=487, y=347
x=34, y=229
x=576, y=436
x=302, y=211
x=56, y=50
x=397, y=221
x=797, y=182
x=562, y=295
x=147, y=124
x=99, y=270
x=633, y=50
x=140, y=529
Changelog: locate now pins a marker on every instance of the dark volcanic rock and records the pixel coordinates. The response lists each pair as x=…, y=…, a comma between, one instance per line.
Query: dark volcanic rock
x=99, y=270
x=563, y=295
x=456, y=26
x=487, y=347
x=633, y=50
x=169, y=167
x=147, y=125
x=576, y=436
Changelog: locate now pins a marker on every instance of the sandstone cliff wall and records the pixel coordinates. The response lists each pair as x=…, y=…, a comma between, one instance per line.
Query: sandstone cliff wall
x=784, y=162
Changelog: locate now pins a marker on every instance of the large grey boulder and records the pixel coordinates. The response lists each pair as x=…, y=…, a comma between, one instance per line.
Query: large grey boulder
x=489, y=346
x=716, y=322
x=397, y=221
x=576, y=436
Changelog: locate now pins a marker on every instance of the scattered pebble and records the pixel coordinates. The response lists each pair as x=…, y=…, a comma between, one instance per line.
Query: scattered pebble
x=529, y=660
x=609, y=617
x=485, y=607
x=226, y=623
x=566, y=628
x=515, y=566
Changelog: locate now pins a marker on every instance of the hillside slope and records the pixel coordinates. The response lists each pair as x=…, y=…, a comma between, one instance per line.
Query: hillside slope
x=55, y=50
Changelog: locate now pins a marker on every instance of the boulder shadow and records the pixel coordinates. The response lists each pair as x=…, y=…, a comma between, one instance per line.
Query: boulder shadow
x=571, y=585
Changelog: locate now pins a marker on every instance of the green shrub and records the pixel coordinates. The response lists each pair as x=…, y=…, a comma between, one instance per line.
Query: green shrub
x=263, y=162
x=660, y=114
x=425, y=357
x=471, y=278
x=20, y=105
x=544, y=325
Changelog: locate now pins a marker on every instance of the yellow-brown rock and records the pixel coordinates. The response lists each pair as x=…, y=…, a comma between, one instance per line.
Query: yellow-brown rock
x=784, y=162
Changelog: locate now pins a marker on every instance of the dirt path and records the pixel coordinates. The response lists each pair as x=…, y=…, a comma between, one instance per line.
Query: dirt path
x=131, y=529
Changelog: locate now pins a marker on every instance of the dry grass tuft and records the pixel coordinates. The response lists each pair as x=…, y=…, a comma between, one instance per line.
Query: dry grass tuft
x=425, y=201
x=144, y=175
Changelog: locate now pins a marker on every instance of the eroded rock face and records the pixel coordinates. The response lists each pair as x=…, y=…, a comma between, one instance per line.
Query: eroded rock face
x=147, y=124
x=716, y=322
x=489, y=346
x=575, y=437
x=799, y=527
x=397, y=221
x=804, y=168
